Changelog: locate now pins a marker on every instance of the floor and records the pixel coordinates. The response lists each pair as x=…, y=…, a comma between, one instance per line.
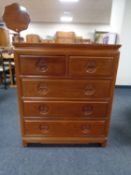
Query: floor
x=65, y=160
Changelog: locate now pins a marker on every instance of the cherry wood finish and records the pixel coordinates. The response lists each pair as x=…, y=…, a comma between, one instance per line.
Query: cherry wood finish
x=65, y=91
x=15, y=18
x=42, y=65
x=66, y=88
x=65, y=109
x=65, y=128
x=86, y=66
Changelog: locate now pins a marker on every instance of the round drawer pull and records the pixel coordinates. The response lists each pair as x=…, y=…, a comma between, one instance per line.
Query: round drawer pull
x=86, y=129
x=42, y=89
x=89, y=90
x=88, y=110
x=43, y=109
x=44, y=128
x=91, y=67
x=42, y=66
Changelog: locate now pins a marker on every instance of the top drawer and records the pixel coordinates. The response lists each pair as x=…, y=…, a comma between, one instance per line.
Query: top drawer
x=42, y=65
x=91, y=66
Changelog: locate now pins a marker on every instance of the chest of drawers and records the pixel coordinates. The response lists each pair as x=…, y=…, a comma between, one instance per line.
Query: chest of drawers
x=65, y=92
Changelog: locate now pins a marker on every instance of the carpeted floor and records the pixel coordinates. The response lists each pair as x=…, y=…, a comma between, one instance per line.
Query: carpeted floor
x=115, y=159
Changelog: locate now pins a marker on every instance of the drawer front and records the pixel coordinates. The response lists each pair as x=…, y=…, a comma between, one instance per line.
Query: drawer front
x=65, y=109
x=42, y=65
x=65, y=128
x=66, y=88
x=91, y=66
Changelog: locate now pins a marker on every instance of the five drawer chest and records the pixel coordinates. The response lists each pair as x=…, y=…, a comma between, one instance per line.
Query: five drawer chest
x=65, y=91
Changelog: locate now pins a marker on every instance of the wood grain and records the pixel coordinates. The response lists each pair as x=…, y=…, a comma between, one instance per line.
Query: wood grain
x=68, y=100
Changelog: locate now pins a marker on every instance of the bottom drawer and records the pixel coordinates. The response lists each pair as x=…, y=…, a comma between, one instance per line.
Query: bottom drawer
x=65, y=128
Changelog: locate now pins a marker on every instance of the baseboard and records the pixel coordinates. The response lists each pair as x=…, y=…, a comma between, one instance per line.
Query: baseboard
x=123, y=86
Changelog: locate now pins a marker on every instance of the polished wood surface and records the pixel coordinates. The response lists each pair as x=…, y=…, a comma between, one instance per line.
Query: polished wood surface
x=16, y=17
x=63, y=88
x=65, y=37
x=42, y=65
x=95, y=66
x=4, y=38
x=65, y=128
x=65, y=91
x=33, y=38
x=65, y=109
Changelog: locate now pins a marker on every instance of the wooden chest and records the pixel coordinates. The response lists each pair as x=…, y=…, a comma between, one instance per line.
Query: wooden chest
x=65, y=92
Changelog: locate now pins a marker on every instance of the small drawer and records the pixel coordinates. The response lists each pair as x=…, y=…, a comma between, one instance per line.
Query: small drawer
x=65, y=128
x=65, y=109
x=42, y=65
x=66, y=88
x=91, y=66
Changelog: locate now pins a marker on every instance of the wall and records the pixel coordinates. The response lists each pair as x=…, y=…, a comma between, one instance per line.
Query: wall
x=86, y=30
x=124, y=72
x=49, y=29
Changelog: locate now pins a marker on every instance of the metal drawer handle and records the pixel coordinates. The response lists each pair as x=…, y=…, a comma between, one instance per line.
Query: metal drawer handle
x=42, y=89
x=88, y=110
x=42, y=66
x=89, y=90
x=43, y=109
x=91, y=67
x=44, y=128
x=86, y=129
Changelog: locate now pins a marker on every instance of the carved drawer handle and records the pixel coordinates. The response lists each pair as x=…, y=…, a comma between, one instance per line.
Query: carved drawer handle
x=86, y=129
x=44, y=128
x=42, y=89
x=88, y=110
x=89, y=90
x=41, y=66
x=43, y=109
x=91, y=67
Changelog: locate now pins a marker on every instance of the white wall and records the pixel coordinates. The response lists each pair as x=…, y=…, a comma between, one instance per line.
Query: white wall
x=49, y=29
x=124, y=72
x=118, y=9
x=120, y=23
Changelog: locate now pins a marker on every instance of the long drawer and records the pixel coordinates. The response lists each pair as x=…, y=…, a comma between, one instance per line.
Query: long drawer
x=63, y=109
x=65, y=128
x=66, y=88
x=91, y=66
x=42, y=65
